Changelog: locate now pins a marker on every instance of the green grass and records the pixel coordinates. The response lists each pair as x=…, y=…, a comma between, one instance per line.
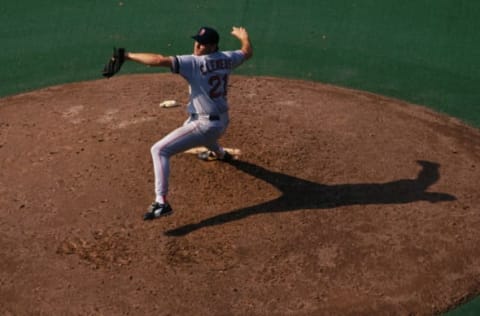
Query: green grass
x=472, y=308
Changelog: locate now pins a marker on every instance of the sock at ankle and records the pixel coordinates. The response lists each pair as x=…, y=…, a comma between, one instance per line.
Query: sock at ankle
x=161, y=199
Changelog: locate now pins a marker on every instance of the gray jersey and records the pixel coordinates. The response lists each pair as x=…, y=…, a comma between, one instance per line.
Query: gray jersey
x=208, y=79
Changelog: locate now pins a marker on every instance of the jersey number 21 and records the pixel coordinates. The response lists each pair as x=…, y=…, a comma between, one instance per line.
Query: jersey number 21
x=218, y=86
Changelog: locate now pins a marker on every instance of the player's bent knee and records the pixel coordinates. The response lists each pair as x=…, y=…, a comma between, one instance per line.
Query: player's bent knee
x=155, y=150
x=161, y=150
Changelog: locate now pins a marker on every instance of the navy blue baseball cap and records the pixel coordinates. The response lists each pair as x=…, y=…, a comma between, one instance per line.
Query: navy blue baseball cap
x=207, y=35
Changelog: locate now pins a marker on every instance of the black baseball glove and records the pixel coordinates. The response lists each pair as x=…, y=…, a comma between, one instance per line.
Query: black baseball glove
x=114, y=63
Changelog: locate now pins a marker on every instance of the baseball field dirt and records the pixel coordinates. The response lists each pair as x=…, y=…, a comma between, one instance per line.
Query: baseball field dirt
x=342, y=203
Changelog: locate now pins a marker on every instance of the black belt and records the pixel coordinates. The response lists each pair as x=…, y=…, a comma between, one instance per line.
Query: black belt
x=210, y=117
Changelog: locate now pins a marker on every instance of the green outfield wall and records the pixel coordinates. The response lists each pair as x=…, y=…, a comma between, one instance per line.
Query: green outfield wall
x=424, y=51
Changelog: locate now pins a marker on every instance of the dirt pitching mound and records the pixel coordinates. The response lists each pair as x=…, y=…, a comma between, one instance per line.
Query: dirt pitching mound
x=342, y=202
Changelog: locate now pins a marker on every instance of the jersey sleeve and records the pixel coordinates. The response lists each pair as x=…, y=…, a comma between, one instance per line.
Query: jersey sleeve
x=237, y=57
x=184, y=65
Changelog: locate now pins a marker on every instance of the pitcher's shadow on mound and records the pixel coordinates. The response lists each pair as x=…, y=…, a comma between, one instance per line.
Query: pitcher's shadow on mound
x=300, y=194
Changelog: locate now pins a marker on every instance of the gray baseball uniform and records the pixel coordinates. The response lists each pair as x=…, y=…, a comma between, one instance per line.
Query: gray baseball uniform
x=208, y=119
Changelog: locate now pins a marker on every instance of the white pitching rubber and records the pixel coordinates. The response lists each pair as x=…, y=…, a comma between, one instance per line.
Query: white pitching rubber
x=168, y=104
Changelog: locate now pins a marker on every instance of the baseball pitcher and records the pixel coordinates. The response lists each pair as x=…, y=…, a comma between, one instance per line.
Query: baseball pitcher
x=207, y=72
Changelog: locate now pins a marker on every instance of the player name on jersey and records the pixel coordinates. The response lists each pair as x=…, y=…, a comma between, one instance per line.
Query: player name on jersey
x=218, y=64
